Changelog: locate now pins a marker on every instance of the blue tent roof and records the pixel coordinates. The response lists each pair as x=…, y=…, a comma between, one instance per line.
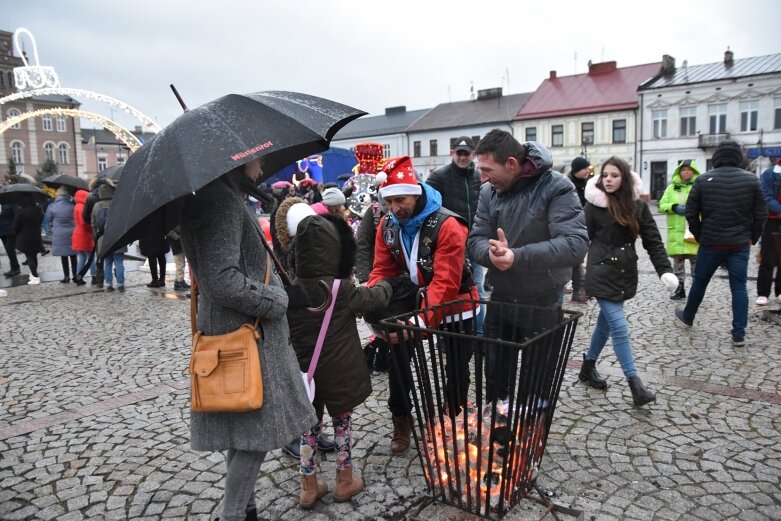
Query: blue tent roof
x=323, y=168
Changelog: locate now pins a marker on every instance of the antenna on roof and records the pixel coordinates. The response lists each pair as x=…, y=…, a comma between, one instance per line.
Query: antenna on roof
x=575, y=64
x=471, y=91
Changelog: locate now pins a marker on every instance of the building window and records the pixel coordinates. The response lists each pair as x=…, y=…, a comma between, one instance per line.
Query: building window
x=17, y=152
x=61, y=124
x=12, y=114
x=102, y=163
x=557, y=135
x=619, y=131
x=386, y=150
x=121, y=159
x=777, y=119
x=475, y=140
x=531, y=133
x=688, y=121
x=432, y=147
x=659, y=118
x=587, y=133
x=62, y=154
x=717, y=118
x=47, y=122
x=749, y=113
x=416, y=149
x=48, y=151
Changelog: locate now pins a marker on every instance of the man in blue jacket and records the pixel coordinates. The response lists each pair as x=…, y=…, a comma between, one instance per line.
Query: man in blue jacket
x=770, y=180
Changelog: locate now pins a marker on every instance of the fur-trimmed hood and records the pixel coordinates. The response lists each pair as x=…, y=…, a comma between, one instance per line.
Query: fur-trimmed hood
x=280, y=222
x=598, y=197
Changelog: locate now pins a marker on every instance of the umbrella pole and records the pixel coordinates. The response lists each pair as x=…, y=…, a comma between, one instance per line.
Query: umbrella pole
x=179, y=98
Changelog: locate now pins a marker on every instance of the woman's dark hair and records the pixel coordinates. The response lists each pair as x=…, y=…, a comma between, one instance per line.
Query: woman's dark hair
x=621, y=204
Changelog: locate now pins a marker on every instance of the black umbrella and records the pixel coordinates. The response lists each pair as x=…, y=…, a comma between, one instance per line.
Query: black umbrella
x=10, y=193
x=205, y=143
x=112, y=172
x=58, y=180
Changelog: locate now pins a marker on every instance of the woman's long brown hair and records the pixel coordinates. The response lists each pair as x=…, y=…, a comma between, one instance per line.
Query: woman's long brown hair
x=621, y=204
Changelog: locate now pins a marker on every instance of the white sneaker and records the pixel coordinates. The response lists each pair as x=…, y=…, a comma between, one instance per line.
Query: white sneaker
x=3, y=293
x=568, y=287
x=762, y=301
x=34, y=280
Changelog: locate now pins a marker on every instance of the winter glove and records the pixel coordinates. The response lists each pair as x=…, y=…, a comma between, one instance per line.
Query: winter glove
x=670, y=282
x=680, y=209
x=297, y=297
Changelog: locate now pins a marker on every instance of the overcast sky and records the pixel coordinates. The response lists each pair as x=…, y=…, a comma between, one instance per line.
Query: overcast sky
x=370, y=55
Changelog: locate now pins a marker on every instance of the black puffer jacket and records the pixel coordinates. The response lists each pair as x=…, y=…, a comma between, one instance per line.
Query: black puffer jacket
x=726, y=208
x=460, y=189
x=544, y=225
x=612, y=258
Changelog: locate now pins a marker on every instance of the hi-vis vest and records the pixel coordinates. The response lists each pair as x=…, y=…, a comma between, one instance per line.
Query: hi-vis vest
x=429, y=232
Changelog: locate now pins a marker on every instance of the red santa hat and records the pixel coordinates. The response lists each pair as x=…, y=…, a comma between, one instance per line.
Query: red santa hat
x=398, y=178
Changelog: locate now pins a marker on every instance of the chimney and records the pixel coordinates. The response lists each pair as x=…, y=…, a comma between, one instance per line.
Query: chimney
x=138, y=129
x=390, y=111
x=668, y=64
x=599, y=68
x=552, y=75
x=496, y=92
x=728, y=57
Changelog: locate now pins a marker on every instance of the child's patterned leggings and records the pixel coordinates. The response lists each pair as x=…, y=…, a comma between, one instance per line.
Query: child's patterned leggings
x=342, y=434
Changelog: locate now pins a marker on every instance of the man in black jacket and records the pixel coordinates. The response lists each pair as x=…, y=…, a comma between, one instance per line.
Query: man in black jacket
x=726, y=212
x=458, y=183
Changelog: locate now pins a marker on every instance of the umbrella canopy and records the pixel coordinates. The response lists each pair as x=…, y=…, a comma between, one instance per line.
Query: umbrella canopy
x=205, y=143
x=10, y=193
x=112, y=172
x=58, y=180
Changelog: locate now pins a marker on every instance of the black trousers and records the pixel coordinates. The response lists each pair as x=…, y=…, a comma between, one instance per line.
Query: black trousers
x=73, y=263
x=153, y=263
x=458, y=354
x=770, y=260
x=9, y=243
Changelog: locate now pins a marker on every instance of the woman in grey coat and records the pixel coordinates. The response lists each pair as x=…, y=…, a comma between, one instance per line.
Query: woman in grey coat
x=222, y=242
x=60, y=215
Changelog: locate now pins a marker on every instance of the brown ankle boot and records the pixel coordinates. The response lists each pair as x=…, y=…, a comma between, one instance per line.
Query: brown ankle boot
x=402, y=426
x=312, y=489
x=346, y=485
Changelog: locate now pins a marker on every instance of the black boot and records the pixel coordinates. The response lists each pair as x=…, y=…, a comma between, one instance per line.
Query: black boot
x=590, y=376
x=640, y=395
x=369, y=351
x=679, y=292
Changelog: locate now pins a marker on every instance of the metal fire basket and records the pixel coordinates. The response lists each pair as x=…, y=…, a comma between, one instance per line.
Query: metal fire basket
x=480, y=435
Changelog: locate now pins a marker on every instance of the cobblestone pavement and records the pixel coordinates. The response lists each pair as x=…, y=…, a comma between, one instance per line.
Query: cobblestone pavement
x=94, y=411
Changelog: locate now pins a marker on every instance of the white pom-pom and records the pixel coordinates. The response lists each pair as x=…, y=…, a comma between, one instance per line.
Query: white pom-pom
x=380, y=178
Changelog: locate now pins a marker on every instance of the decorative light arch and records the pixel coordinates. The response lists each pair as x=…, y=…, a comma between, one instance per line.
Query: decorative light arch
x=63, y=91
x=123, y=134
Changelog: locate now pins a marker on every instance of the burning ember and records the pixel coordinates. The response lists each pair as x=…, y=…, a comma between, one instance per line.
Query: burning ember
x=468, y=461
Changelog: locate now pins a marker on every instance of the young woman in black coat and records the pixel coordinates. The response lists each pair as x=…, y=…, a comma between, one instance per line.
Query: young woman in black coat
x=27, y=229
x=616, y=217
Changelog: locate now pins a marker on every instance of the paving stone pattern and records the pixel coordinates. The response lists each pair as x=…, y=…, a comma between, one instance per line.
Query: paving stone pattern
x=94, y=419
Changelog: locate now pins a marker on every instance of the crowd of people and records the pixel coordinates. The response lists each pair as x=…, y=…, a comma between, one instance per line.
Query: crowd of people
x=514, y=222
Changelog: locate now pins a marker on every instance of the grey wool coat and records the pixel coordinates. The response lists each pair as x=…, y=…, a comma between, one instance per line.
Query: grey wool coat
x=221, y=240
x=60, y=215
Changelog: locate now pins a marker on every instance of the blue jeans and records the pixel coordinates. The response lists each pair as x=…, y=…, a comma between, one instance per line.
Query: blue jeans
x=478, y=277
x=117, y=260
x=708, y=261
x=83, y=258
x=612, y=324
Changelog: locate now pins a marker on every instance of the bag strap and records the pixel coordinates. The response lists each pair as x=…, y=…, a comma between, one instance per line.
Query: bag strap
x=323, y=329
x=194, y=294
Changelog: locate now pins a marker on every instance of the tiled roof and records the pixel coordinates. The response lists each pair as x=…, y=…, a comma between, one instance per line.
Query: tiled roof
x=615, y=89
x=753, y=66
x=499, y=109
x=392, y=122
x=107, y=137
x=57, y=100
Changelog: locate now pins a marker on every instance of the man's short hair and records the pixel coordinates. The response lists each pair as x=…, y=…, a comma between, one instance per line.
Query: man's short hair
x=502, y=146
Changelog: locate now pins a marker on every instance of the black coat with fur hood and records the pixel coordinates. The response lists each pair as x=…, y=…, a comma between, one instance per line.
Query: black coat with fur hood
x=324, y=249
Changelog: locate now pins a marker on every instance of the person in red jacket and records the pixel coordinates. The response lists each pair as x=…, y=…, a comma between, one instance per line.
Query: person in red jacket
x=81, y=240
x=419, y=232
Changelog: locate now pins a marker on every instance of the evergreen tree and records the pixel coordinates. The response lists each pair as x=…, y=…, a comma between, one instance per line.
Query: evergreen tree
x=11, y=173
x=49, y=167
